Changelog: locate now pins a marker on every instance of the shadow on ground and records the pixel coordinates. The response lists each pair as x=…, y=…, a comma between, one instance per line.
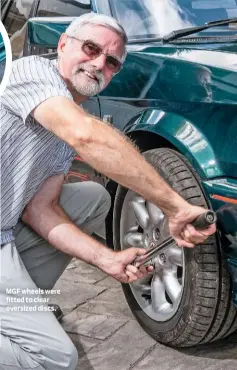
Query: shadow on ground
x=222, y=349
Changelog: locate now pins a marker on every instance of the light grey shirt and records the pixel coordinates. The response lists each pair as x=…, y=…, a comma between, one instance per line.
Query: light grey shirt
x=29, y=153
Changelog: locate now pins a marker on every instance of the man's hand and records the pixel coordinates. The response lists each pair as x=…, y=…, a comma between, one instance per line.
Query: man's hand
x=183, y=232
x=119, y=266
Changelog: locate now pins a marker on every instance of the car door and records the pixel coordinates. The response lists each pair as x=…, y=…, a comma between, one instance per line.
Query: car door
x=14, y=17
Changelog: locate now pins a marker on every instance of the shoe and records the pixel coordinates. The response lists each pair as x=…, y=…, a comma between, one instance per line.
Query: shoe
x=58, y=313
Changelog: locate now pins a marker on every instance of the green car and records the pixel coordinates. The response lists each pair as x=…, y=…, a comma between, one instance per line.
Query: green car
x=2, y=57
x=176, y=98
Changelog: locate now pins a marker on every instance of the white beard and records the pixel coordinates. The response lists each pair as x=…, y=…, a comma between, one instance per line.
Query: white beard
x=93, y=87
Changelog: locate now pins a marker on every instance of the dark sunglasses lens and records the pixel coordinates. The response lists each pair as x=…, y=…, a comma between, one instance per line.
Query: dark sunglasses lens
x=113, y=64
x=91, y=49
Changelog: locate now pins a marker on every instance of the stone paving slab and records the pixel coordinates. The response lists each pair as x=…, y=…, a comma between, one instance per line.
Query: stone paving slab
x=167, y=359
x=74, y=294
x=109, y=338
x=80, y=272
x=108, y=282
x=83, y=344
x=213, y=356
x=93, y=325
x=120, y=351
x=110, y=302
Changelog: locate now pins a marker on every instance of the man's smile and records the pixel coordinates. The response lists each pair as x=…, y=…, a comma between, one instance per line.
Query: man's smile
x=88, y=74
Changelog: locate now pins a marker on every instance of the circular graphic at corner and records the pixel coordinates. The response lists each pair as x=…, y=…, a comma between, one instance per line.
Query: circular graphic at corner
x=5, y=58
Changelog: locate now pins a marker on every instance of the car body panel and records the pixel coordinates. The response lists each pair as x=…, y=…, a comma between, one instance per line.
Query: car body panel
x=45, y=32
x=183, y=135
x=2, y=58
x=202, y=111
x=2, y=49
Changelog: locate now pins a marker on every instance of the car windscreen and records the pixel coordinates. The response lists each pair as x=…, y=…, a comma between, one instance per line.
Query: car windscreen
x=144, y=19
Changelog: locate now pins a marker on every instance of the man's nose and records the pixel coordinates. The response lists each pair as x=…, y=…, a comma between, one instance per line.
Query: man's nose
x=99, y=62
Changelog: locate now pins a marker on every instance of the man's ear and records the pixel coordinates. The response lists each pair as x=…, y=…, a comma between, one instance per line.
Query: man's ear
x=61, y=44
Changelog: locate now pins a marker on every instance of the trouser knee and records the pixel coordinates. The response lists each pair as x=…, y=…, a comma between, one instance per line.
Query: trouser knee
x=87, y=204
x=99, y=210
x=67, y=357
x=72, y=358
x=104, y=202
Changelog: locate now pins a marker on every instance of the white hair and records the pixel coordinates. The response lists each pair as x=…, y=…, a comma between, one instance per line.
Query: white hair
x=98, y=20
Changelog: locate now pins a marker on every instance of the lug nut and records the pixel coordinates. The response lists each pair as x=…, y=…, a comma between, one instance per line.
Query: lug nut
x=162, y=258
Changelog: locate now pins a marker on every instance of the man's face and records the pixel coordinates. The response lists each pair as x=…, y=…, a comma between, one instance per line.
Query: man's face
x=89, y=76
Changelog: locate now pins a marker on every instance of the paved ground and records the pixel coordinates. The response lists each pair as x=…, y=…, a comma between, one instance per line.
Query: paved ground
x=107, y=336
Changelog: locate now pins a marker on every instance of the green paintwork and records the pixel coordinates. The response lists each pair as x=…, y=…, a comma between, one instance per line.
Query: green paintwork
x=193, y=105
x=187, y=138
x=2, y=50
x=43, y=33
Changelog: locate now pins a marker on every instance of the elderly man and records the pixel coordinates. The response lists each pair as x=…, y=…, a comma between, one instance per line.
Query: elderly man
x=42, y=128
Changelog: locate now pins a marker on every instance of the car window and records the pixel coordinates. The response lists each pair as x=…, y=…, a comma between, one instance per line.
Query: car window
x=15, y=24
x=17, y=15
x=3, y=6
x=68, y=8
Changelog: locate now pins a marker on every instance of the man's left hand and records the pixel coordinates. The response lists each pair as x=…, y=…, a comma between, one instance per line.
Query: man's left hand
x=121, y=267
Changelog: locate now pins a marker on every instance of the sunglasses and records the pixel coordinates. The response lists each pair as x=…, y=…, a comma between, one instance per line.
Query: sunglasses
x=93, y=51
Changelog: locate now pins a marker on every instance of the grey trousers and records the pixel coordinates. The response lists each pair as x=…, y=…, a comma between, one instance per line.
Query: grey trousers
x=34, y=339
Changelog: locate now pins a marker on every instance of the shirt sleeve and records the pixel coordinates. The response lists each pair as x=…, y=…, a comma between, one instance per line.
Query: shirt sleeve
x=33, y=80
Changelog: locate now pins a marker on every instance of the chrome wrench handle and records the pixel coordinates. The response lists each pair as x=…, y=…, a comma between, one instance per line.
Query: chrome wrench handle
x=151, y=253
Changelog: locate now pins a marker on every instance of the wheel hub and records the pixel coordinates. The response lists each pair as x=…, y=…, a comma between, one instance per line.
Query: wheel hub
x=144, y=225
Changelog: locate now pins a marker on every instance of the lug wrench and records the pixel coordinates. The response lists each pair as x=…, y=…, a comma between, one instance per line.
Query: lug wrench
x=202, y=222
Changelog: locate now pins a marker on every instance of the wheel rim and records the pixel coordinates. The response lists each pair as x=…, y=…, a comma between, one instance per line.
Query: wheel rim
x=142, y=225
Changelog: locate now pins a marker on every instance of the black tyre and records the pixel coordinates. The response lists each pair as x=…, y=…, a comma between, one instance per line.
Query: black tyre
x=194, y=303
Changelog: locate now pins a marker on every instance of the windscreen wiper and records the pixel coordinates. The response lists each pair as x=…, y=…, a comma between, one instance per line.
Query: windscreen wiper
x=191, y=30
